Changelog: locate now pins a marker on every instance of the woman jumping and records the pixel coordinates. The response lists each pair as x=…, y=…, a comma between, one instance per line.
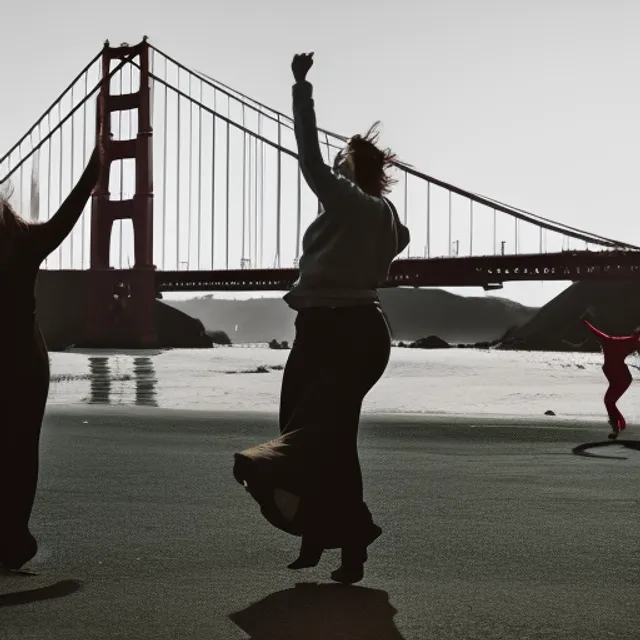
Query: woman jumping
x=308, y=481
x=615, y=350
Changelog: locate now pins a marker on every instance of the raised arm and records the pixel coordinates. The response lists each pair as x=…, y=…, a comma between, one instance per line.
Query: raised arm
x=599, y=334
x=603, y=336
x=321, y=179
x=46, y=237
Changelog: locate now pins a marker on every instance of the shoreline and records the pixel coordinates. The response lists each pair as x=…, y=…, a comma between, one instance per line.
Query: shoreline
x=396, y=344
x=380, y=431
x=369, y=419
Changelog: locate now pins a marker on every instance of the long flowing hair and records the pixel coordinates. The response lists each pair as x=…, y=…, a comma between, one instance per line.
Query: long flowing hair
x=11, y=225
x=372, y=165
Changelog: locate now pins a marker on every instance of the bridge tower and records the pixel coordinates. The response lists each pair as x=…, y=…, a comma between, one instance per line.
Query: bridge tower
x=121, y=302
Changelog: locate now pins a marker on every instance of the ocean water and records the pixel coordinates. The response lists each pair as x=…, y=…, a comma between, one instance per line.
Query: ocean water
x=453, y=381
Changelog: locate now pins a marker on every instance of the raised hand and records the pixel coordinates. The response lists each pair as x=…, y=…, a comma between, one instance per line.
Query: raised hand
x=300, y=65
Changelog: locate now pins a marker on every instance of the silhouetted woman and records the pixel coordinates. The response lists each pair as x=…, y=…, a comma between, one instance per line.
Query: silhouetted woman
x=24, y=362
x=308, y=481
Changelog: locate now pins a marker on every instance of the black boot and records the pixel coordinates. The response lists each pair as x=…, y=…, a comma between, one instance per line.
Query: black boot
x=310, y=555
x=354, y=557
x=17, y=551
x=352, y=568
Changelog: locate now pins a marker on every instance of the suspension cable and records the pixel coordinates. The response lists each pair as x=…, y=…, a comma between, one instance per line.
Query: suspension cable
x=50, y=109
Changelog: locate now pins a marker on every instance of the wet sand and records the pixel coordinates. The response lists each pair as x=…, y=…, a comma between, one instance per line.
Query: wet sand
x=493, y=528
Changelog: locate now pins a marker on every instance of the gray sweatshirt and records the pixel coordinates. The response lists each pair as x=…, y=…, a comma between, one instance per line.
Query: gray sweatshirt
x=348, y=248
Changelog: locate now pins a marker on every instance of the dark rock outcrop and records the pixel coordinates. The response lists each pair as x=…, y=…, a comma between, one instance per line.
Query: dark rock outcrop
x=62, y=315
x=219, y=337
x=430, y=342
x=274, y=344
x=615, y=303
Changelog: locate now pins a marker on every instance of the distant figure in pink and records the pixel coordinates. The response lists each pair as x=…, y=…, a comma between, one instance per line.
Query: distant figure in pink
x=615, y=350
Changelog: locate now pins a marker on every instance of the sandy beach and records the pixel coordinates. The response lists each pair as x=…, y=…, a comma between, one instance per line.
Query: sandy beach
x=493, y=528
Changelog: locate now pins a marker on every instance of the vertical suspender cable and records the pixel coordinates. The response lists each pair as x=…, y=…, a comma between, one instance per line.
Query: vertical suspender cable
x=255, y=202
x=470, y=227
x=48, y=178
x=244, y=185
x=84, y=156
x=278, y=196
x=428, y=226
x=178, y=181
x=540, y=239
x=261, y=255
x=34, y=186
x=199, y=172
x=190, y=171
x=406, y=204
x=71, y=177
x=227, y=198
x=164, y=169
x=249, y=200
x=60, y=177
x=450, y=237
x=213, y=181
x=20, y=180
x=495, y=234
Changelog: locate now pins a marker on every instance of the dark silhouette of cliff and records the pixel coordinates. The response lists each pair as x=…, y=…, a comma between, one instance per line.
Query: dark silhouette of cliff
x=177, y=329
x=616, y=306
x=416, y=313
x=62, y=312
x=413, y=314
x=218, y=337
x=430, y=342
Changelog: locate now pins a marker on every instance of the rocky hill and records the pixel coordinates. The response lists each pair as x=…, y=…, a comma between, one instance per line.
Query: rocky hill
x=413, y=314
x=615, y=303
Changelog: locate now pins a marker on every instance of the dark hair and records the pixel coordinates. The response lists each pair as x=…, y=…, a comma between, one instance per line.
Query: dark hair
x=371, y=164
x=10, y=222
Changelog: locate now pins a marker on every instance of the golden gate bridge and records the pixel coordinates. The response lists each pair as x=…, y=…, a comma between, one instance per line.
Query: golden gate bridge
x=203, y=193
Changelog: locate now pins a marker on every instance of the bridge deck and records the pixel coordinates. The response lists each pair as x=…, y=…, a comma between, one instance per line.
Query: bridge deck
x=476, y=271
x=479, y=271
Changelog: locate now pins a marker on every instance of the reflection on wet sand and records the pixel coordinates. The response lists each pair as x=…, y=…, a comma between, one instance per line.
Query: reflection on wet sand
x=100, y=380
x=143, y=382
x=146, y=381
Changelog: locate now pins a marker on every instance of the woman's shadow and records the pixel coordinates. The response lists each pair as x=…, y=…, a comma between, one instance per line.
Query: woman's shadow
x=319, y=612
x=585, y=449
x=58, y=590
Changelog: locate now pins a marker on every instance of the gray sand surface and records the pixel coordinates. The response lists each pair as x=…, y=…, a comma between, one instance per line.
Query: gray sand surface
x=493, y=528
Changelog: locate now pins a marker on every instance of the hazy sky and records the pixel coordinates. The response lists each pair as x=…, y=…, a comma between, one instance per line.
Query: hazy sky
x=536, y=104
